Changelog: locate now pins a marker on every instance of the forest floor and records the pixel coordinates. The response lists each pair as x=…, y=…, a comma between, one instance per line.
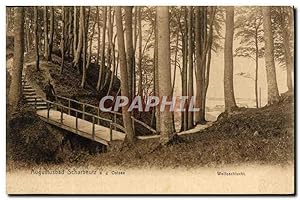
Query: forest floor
x=248, y=135
x=264, y=136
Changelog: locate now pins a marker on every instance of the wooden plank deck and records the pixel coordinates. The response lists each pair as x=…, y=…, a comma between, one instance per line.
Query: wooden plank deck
x=102, y=134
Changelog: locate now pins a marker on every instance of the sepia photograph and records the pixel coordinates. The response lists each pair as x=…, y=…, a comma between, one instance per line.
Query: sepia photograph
x=150, y=100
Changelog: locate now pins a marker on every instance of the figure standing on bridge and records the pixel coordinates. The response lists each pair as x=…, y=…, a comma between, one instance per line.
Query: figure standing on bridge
x=50, y=92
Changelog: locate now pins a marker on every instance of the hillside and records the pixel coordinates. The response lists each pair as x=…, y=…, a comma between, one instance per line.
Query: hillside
x=263, y=136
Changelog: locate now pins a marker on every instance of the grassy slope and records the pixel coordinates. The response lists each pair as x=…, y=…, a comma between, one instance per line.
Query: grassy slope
x=230, y=140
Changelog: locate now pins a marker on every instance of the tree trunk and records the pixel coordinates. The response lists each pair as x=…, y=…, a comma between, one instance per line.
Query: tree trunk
x=46, y=51
x=80, y=38
x=175, y=62
x=62, y=42
x=288, y=63
x=90, y=45
x=15, y=91
x=75, y=27
x=28, y=41
x=70, y=34
x=184, y=116
x=287, y=56
x=164, y=71
x=230, y=103
x=140, y=84
x=36, y=39
x=84, y=38
x=99, y=37
x=273, y=94
x=111, y=50
x=109, y=37
x=129, y=46
x=201, y=51
x=124, y=76
x=208, y=60
x=155, y=71
x=256, y=69
x=190, y=65
x=108, y=68
x=102, y=67
x=204, y=51
x=135, y=36
x=51, y=33
x=136, y=11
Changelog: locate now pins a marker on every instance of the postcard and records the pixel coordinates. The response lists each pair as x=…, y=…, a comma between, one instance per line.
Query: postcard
x=150, y=100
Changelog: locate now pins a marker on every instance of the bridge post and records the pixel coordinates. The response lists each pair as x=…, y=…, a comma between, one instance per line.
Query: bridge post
x=98, y=115
x=93, y=131
x=61, y=114
x=133, y=128
x=56, y=102
x=69, y=106
x=83, y=109
x=110, y=132
x=76, y=121
x=115, y=120
x=35, y=103
x=48, y=110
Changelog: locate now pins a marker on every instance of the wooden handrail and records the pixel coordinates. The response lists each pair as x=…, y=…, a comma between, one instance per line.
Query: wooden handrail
x=118, y=126
x=79, y=111
x=97, y=111
x=143, y=124
x=66, y=98
x=93, y=136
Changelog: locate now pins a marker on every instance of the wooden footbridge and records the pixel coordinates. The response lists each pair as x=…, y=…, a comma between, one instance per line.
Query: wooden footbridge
x=80, y=118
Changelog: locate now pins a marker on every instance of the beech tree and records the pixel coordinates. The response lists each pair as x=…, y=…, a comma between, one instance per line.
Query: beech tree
x=80, y=39
x=15, y=90
x=129, y=47
x=46, y=39
x=250, y=32
x=51, y=34
x=190, y=64
x=102, y=57
x=124, y=76
x=28, y=40
x=84, y=46
x=204, y=38
x=184, y=33
x=62, y=41
x=90, y=40
x=282, y=26
x=164, y=71
x=273, y=94
x=140, y=87
x=36, y=39
x=230, y=103
x=111, y=49
x=155, y=71
x=75, y=30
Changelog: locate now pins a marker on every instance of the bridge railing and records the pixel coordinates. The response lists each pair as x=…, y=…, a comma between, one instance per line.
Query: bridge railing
x=97, y=110
x=61, y=107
